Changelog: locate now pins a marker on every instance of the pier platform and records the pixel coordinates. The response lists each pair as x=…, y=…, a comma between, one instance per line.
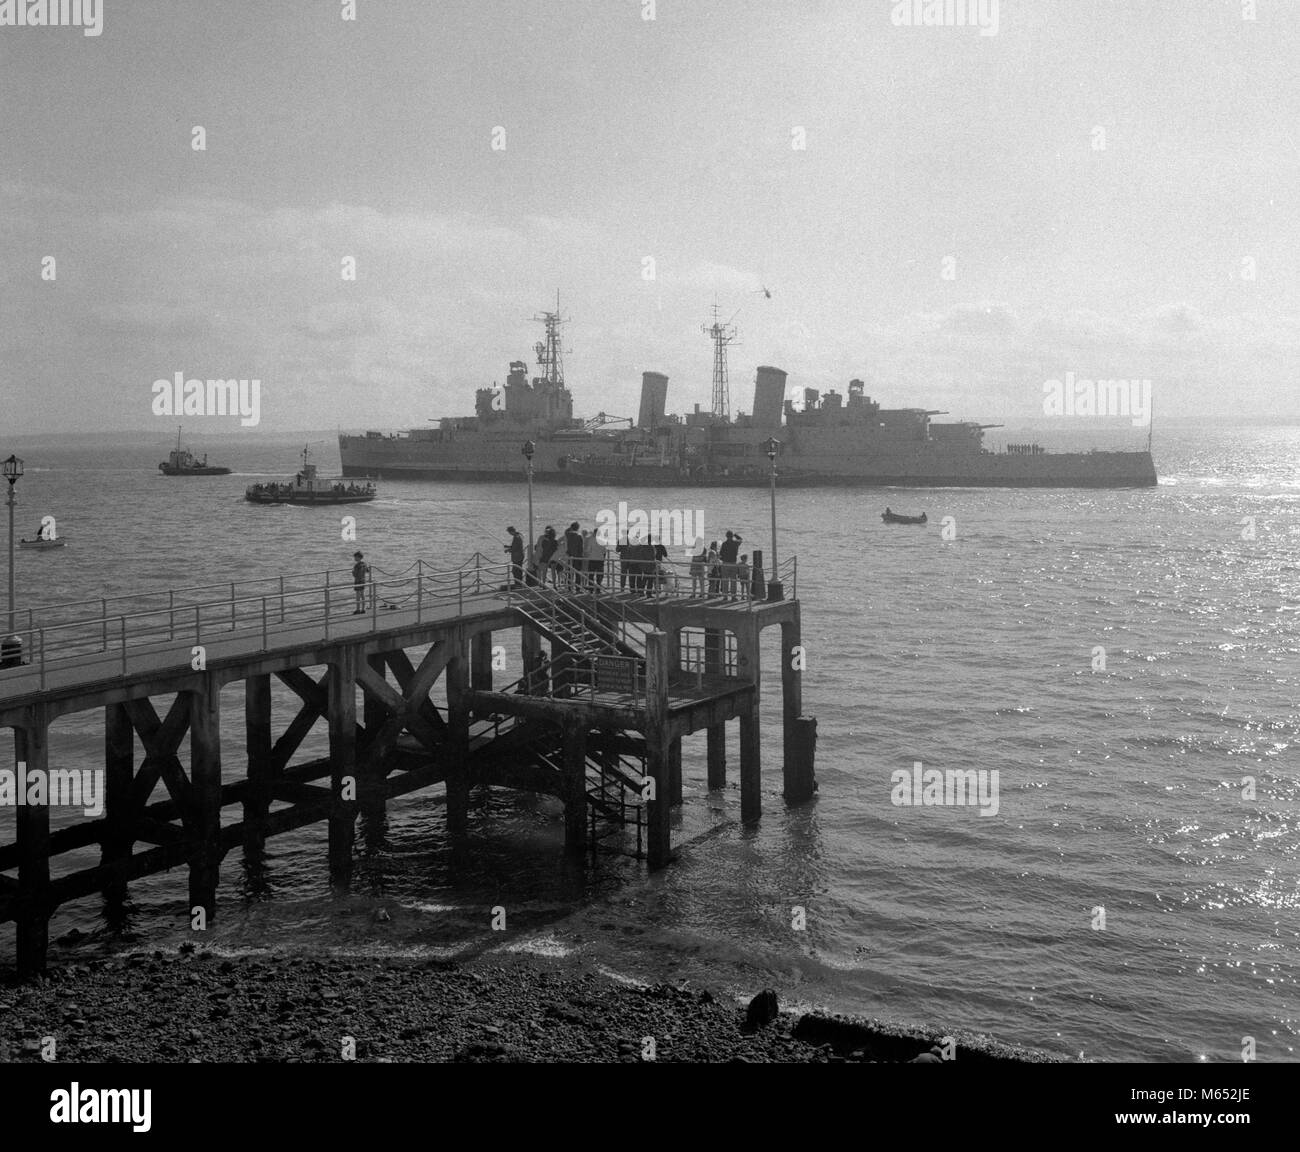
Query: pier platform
x=408, y=691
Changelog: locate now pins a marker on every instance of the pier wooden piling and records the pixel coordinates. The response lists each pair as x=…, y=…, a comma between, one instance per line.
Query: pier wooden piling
x=592, y=709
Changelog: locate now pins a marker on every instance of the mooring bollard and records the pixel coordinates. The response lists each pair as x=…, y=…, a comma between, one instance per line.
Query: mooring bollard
x=800, y=778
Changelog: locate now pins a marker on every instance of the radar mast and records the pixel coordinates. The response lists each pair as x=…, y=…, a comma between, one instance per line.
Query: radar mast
x=550, y=356
x=722, y=335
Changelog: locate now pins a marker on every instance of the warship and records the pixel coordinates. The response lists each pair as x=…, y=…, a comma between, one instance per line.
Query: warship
x=831, y=440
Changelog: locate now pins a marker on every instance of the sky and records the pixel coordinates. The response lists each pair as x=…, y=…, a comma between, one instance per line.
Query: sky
x=1103, y=187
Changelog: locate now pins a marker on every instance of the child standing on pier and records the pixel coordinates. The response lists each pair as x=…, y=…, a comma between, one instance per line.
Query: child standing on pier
x=360, y=578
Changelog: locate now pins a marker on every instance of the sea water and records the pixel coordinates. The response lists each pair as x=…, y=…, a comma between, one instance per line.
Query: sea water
x=1128, y=662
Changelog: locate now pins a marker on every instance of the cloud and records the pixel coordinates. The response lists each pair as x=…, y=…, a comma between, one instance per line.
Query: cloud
x=978, y=319
x=443, y=301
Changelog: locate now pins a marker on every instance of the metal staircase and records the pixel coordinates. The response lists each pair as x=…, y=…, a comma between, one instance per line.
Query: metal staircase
x=615, y=780
x=624, y=620
x=581, y=627
x=616, y=785
x=567, y=622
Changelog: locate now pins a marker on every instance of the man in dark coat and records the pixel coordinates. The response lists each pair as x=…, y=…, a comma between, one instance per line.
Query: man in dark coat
x=547, y=546
x=727, y=557
x=575, y=547
x=516, y=550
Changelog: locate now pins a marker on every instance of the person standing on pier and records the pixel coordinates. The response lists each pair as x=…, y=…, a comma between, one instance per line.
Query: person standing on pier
x=360, y=578
x=516, y=550
x=727, y=555
x=573, y=550
x=715, y=569
x=622, y=549
x=660, y=569
x=595, y=557
x=699, y=565
x=547, y=545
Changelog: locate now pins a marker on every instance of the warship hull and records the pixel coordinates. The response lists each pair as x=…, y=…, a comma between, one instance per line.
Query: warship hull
x=198, y=470
x=470, y=462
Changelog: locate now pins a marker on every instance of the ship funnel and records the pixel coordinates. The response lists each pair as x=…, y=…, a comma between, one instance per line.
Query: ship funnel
x=769, y=395
x=654, y=396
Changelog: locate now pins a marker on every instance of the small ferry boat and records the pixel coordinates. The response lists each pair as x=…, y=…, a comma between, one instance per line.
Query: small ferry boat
x=182, y=462
x=896, y=518
x=308, y=488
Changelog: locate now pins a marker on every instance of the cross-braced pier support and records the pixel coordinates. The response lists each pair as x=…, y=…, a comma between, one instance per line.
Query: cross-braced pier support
x=596, y=719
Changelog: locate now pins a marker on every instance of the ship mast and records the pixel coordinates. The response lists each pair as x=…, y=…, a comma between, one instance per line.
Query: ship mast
x=721, y=335
x=550, y=356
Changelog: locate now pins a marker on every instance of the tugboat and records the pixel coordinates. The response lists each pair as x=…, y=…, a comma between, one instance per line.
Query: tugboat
x=182, y=462
x=308, y=488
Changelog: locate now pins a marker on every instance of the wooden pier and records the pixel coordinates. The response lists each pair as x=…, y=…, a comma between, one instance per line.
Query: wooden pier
x=613, y=679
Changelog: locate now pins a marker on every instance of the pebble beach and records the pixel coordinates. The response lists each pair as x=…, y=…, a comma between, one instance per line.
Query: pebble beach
x=196, y=1005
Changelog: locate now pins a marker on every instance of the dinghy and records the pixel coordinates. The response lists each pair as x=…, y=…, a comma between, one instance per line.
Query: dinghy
x=895, y=518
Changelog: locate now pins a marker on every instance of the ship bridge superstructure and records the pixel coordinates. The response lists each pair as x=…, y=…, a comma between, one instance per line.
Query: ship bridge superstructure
x=543, y=402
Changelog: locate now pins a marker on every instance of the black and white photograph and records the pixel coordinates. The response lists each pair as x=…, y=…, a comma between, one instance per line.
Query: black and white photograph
x=643, y=533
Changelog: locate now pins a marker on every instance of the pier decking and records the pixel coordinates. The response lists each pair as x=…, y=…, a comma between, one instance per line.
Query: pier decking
x=613, y=679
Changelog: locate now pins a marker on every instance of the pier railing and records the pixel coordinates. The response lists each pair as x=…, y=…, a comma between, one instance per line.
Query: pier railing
x=573, y=675
x=192, y=615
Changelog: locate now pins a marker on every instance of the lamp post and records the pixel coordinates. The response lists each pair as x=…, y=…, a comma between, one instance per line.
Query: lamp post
x=528, y=449
x=774, y=590
x=13, y=470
